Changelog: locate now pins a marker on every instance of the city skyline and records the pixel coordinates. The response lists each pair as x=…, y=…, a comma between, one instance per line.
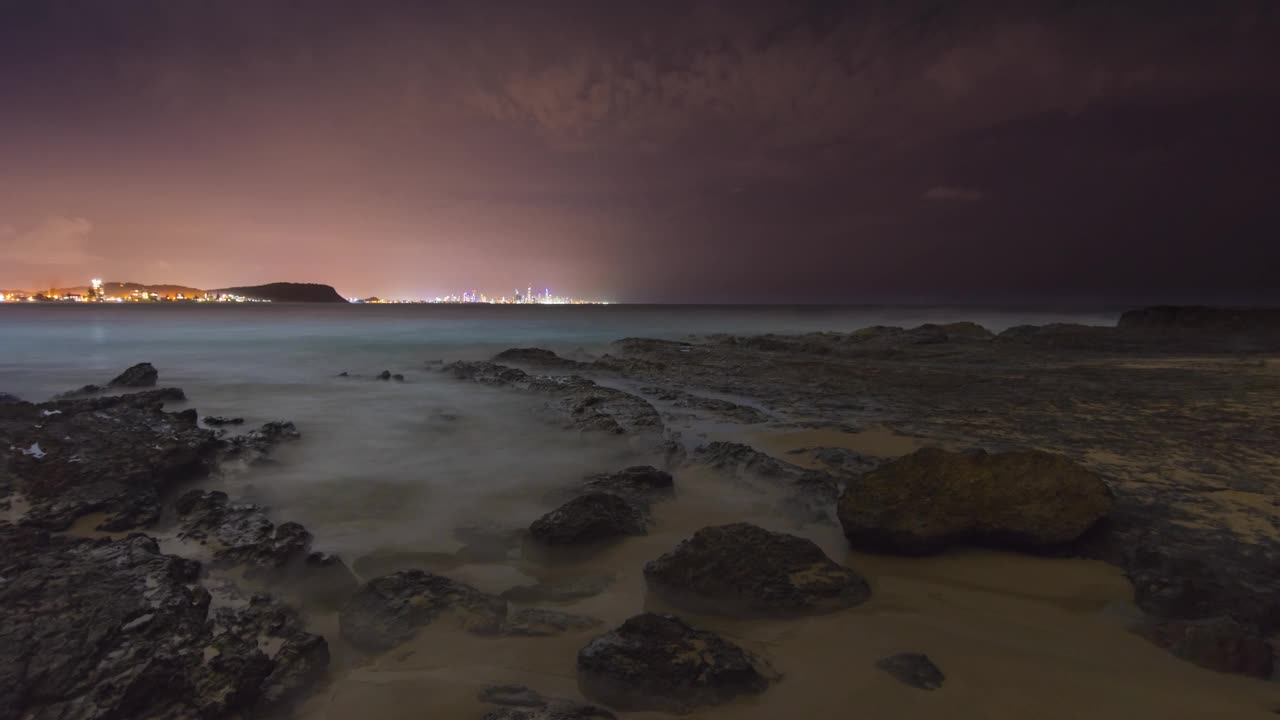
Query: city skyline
x=98, y=290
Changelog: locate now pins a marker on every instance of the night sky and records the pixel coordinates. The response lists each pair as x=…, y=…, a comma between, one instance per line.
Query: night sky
x=660, y=151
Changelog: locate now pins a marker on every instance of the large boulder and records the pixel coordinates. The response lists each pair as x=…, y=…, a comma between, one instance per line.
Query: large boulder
x=140, y=375
x=744, y=570
x=387, y=611
x=932, y=499
x=657, y=662
x=592, y=518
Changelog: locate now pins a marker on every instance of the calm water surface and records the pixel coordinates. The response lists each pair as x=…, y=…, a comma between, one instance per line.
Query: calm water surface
x=392, y=464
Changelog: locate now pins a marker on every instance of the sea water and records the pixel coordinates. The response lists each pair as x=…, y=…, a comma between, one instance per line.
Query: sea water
x=393, y=464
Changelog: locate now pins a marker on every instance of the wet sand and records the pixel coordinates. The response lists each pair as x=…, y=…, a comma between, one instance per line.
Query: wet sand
x=1017, y=636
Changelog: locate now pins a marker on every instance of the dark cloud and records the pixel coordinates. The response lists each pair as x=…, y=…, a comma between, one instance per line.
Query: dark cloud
x=667, y=150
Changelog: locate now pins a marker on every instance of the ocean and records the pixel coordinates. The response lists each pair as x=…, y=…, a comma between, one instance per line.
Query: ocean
x=384, y=465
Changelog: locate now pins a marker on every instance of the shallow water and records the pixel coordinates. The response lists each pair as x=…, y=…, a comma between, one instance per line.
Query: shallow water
x=385, y=472
x=385, y=464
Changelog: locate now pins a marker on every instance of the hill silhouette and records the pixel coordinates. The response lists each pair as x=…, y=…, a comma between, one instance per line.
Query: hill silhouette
x=287, y=292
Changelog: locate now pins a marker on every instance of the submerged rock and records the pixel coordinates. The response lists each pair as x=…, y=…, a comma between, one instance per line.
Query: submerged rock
x=523, y=703
x=104, y=629
x=510, y=695
x=914, y=669
x=591, y=518
x=384, y=375
x=931, y=499
x=657, y=662
x=240, y=532
x=218, y=420
x=582, y=404
x=487, y=544
x=256, y=444
x=140, y=375
x=387, y=611
x=560, y=591
x=807, y=496
x=537, y=622
x=841, y=460
x=745, y=570
x=725, y=409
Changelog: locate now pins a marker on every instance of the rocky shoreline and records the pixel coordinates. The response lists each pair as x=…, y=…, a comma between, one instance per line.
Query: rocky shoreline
x=1150, y=446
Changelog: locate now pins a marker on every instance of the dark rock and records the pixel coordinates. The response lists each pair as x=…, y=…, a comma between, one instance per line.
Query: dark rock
x=344, y=373
x=140, y=375
x=387, y=611
x=1195, y=317
x=103, y=454
x=143, y=399
x=398, y=377
x=732, y=411
x=256, y=444
x=913, y=669
x=240, y=533
x=841, y=460
x=218, y=420
x=188, y=416
x=537, y=358
x=808, y=496
x=384, y=375
x=626, y=366
x=553, y=710
x=104, y=629
x=744, y=570
x=581, y=403
x=537, y=622
x=510, y=695
x=560, y=591
x=591, y=518
x=522, y=703
x=952, y=332
x=1182, y=575
x=657, y=662
x=82, y=391
x=932, y=499
x=1221, y=644
x=640, y=484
